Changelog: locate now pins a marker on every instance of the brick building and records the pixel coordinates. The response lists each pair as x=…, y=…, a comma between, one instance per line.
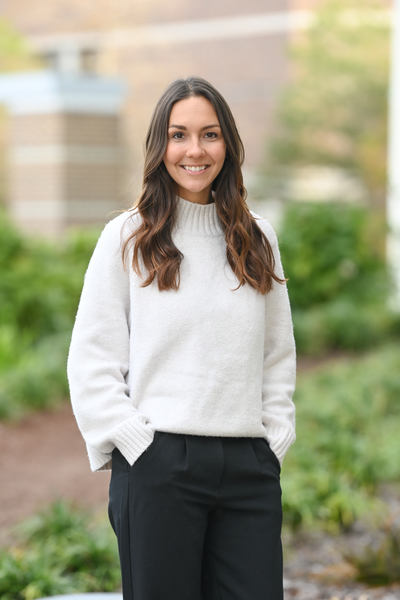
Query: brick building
x=64, y=151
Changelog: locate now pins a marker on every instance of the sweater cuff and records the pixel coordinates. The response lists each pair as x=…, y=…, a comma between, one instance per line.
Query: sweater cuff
x=280, y=439
x=99, y=461
x=133, y=438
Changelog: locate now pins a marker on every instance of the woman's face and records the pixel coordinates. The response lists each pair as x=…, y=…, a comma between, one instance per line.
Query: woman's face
x=196, y=149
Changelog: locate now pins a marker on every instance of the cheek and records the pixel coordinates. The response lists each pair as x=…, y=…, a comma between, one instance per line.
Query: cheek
x=171, y=156
x=220, y=155
x=222, y=152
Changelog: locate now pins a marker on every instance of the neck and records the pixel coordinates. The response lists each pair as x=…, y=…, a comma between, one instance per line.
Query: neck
x=203, y=197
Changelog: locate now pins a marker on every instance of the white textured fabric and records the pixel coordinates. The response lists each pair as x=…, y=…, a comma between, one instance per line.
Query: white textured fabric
x=207, y=359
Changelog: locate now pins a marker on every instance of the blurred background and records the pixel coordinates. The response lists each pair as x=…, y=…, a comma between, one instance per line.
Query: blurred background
x=308, y=83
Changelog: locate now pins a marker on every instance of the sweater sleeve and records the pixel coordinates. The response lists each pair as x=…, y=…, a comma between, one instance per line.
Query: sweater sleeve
x=279, y=374
x=98, y=361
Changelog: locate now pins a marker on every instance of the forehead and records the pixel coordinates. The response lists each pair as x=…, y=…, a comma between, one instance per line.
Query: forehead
x=194, y=109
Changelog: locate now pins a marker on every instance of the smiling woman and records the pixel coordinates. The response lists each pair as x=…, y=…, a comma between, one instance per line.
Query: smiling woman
x=182, y=366
x=177, y=148
x=196, y=149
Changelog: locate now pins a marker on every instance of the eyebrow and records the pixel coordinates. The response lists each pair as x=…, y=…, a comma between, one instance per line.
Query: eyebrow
x=184, y=128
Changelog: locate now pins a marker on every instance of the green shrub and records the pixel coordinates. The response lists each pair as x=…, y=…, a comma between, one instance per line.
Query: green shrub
x=40, y=285
x=329, y=252
x=342, y=325
x=348, y=418
x=37, y=380
x=12, y=345
x=63, y=550
x=40, y=282
x=338, y=283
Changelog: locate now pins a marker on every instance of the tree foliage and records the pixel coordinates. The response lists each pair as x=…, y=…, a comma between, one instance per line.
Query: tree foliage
x=334, y=112
x=15, y=53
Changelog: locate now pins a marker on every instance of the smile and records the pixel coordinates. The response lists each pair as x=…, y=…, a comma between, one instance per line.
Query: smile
x=195, y=169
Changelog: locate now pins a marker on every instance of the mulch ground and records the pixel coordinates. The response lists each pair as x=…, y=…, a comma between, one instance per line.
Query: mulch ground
x=43, y=458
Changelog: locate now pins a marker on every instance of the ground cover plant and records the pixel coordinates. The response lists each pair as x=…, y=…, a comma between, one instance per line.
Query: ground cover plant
x=348, y=419
x=377, y=556
x=62, y=550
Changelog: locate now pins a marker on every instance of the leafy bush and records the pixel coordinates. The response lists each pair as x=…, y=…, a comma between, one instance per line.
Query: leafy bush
x=329, y=252
x=38, y=378
x=343, y=325
x=348, y=418
x=63, y=550
x=40, y=282
x=40, y=285
x=338, y=284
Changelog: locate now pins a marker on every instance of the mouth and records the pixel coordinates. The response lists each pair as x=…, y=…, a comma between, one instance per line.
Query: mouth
x=195, y=169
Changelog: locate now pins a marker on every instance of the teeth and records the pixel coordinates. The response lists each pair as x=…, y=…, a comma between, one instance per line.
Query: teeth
x=195, y=168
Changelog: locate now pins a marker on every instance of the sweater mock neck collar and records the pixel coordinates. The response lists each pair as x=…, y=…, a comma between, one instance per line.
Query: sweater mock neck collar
x=197, y=218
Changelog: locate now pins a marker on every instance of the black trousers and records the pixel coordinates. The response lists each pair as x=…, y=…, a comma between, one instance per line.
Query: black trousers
x=199, y=518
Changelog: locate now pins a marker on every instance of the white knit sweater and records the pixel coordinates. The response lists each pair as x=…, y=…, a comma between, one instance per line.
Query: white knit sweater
x=204, y=360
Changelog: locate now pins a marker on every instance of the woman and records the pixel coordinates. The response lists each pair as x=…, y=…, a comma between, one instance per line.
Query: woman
x=182, y=366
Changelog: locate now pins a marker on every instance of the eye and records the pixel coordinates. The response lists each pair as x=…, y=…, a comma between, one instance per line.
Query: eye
x=178, y=135
x=211, y=135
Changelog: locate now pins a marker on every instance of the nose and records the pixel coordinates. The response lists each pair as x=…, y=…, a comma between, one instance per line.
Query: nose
x=195, y=149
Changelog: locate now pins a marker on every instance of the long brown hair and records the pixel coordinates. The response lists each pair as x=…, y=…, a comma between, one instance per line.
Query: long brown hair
x=248, y=250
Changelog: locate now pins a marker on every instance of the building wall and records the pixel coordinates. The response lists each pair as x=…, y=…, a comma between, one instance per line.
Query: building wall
x=51, y=16
x=64, y=170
